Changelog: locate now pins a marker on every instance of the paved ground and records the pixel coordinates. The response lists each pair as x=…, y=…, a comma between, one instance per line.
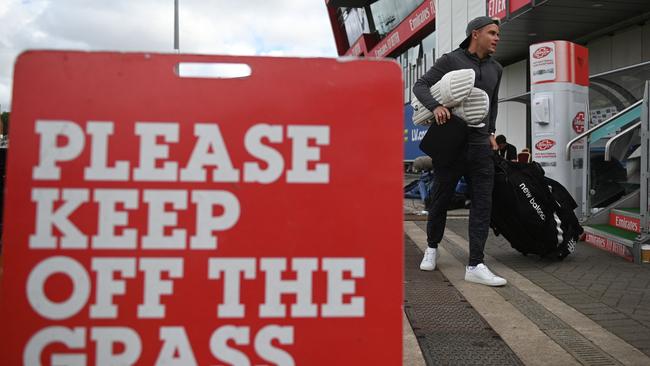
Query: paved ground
x=607, y=289
x=448, y=329
x=592, y=308
x=543, y=314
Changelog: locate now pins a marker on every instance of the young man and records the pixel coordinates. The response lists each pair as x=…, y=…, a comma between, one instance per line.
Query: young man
x=474, y=157
x=506, y=150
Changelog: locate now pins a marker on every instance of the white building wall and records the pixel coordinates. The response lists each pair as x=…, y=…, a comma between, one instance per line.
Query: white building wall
x=511, y=119
x=459, y=22
x=600, y=55
x=443, y=27
x=624, y=48
x=452, y=17
x=475, y=8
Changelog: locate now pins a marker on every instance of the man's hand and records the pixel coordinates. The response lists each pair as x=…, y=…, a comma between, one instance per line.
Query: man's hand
x=493, y=142
x=442, y=114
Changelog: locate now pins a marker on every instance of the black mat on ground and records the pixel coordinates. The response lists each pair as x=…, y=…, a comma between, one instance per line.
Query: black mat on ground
x=448, y=329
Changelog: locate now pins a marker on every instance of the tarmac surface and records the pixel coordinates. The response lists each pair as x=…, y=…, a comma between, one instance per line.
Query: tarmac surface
x=592, y=308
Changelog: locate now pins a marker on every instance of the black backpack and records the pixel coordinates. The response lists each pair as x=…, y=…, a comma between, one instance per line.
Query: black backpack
x=533, y=212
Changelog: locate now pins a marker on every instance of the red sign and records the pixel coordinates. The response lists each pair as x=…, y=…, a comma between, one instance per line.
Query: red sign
x=154, y=219
x=609, y=245
x=542, y=52
x=497, y=9
x=361, y=46
x=545, y=144
x=518, y=4
x=559, y=61
x=358, y=48
x=625, y=222
x=579, y=122
x=424, y=15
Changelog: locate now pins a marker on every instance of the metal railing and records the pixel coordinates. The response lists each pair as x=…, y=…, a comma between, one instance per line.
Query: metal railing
x=644, y=125
x=608, y=154
x=645, y=161
x=567, y=152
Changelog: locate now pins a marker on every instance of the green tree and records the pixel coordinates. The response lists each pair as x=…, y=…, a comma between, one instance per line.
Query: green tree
x=5, y=122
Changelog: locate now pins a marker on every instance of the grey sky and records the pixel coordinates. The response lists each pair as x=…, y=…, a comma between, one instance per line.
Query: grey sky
x=239, y=27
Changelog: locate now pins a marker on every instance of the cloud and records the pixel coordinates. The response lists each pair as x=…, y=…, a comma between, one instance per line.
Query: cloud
x=251, y=27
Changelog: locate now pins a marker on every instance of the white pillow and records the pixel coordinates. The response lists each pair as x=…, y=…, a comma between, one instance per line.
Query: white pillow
x=448, y=91
x=474, y=108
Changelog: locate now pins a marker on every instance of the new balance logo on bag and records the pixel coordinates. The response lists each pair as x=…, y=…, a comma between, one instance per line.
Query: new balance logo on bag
x=533, y=204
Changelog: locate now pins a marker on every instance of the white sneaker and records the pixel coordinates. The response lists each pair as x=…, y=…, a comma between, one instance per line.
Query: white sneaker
x=429, y=260
x=481, y=274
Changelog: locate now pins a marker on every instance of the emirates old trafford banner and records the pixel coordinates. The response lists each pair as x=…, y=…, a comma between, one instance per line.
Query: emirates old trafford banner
x=154, y=219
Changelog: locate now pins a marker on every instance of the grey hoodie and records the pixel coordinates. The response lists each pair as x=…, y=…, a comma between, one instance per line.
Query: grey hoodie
x=488, y=77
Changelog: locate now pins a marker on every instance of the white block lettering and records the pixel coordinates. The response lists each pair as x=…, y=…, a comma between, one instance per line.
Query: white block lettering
x=253, y=142
x=74, y=338
x=159, y=219
x=39, y=301
x=49, y=153
x=206, y=222
x=302, y=154
x=109, y=218
x=155, y=286
x=107, y=337
x=209, y=138
x=264, y=344
x=175, y=342
x=99, y=169
x=337, y=287
x=47, y=218
x=107, y=286
x=232, y=268
x=274, y=287
x=151, y=151
x=221, y=350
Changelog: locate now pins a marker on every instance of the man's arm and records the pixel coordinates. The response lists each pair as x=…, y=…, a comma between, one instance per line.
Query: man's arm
x=422, y=86
x=494, y=104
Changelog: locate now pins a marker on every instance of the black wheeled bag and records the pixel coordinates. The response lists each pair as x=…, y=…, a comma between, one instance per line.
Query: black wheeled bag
x=533, y=212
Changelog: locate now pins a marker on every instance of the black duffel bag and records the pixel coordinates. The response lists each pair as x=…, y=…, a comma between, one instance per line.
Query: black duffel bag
x=533, y=212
